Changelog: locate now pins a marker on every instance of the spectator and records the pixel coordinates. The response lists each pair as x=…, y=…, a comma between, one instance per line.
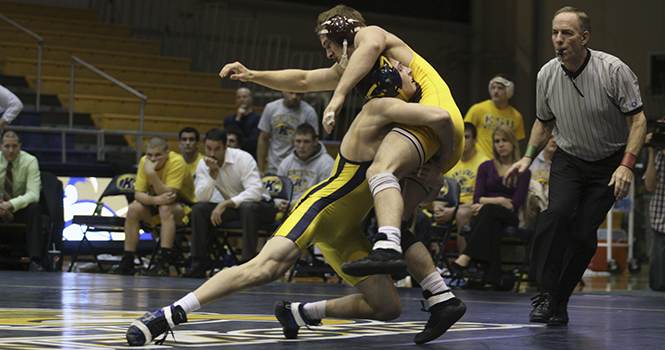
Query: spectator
x=163, y=192
x=234, y=137
x=654, y=181
x=540, y=168
x=245, y=119
x=280, y=118
x=489, y=114
x=19, y=172
x=308, y=165
x=10, y=106
x=495, y=207
x=465, y=173
x=189, y=147
x=235, y=175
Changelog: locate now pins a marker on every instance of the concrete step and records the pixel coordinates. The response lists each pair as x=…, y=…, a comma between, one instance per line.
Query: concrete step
x=18, y=66
x=61, y=85
x=83, y=41
x=67, y=13
x=35, y=23
x=94, y=57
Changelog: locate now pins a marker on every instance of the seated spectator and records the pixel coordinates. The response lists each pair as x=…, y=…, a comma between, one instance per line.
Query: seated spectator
x=489, y=114
x=307, y=165
x=163, y=193
x=494, y=207
x=234, y=137
x=465, y=173
x=19, y=172
x=234, y=173
x=10, y=106
x=540, y=168
x=536, y=200
x=245, y=119
x=189, y=147
x=279, y=120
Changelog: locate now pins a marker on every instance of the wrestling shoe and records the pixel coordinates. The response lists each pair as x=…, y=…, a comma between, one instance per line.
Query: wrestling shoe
x=152, y=324
x=442, y=316
x=543, y=308
x=380, y=261
x=291, y=317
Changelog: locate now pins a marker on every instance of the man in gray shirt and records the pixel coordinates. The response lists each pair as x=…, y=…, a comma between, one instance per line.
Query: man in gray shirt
x=278, y=123
x=592, y=102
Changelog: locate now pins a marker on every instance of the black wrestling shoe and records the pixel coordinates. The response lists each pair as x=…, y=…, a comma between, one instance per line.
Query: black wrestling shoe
x=378, y=262
x=291, y=317
x=442, y=316
x=152, y=324
x=560, y=314
x=543, y=308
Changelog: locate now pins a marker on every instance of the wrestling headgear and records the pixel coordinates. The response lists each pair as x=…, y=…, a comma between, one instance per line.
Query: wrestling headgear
x=341, y=30
x=382, y=81
x=510, y=87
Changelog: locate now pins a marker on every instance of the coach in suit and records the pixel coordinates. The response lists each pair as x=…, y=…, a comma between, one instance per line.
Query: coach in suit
x=592, y=102
x=19, y=202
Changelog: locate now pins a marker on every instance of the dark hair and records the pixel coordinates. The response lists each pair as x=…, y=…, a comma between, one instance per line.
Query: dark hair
x=469, y=126
x=189, y=129
x=583, y=19
x=234, y=130
x=306, y=129
x=10, y=134
x=216, y=134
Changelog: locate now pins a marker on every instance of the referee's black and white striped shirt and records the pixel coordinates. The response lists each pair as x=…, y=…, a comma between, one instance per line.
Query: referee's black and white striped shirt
x=590, y=106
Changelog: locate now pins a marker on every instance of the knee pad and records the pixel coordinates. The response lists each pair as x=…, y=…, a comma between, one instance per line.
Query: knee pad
x=408, y=239
x=383, y=181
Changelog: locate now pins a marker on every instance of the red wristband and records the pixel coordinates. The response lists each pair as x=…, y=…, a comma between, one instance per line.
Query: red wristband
x=629, y=160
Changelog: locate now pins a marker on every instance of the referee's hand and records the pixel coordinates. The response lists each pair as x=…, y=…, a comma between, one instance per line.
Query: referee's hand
x=621, y=180
x=512, y=175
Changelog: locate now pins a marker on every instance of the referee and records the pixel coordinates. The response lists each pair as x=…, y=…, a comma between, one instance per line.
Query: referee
x=592, y=102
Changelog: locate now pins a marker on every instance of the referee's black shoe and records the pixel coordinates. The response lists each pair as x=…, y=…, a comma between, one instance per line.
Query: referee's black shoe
x=559, y=315
x=543, y=308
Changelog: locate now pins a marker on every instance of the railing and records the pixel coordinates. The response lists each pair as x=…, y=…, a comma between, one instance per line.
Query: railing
x=99, y=132
x=139, y=137
x=40, y=42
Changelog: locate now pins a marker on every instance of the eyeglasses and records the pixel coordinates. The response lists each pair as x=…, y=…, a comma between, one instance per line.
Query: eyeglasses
x=188, y=139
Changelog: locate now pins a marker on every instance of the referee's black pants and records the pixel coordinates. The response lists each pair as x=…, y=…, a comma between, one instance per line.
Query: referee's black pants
x=565, y=238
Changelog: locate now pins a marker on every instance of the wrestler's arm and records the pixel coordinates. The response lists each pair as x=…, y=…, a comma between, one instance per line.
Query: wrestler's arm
x=292, y=80
x=393, y=110
x=369, y=43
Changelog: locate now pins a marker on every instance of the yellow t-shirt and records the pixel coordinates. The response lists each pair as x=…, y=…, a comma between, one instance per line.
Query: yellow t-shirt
x=465, y=174
x=486, y=117
x=192, y=166
x=174, y=174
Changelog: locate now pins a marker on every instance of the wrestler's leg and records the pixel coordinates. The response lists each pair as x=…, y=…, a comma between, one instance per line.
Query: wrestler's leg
x=278, y=255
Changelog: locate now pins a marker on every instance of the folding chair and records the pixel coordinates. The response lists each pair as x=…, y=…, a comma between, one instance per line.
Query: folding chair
x=279, y=187
x=119, y=185
x=449, y=194
x=514, y=235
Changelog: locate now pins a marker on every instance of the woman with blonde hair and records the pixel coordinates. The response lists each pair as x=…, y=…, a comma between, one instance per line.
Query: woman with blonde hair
x=494, y=207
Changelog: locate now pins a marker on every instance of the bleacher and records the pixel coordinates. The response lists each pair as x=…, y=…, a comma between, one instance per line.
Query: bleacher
x=177, y=97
